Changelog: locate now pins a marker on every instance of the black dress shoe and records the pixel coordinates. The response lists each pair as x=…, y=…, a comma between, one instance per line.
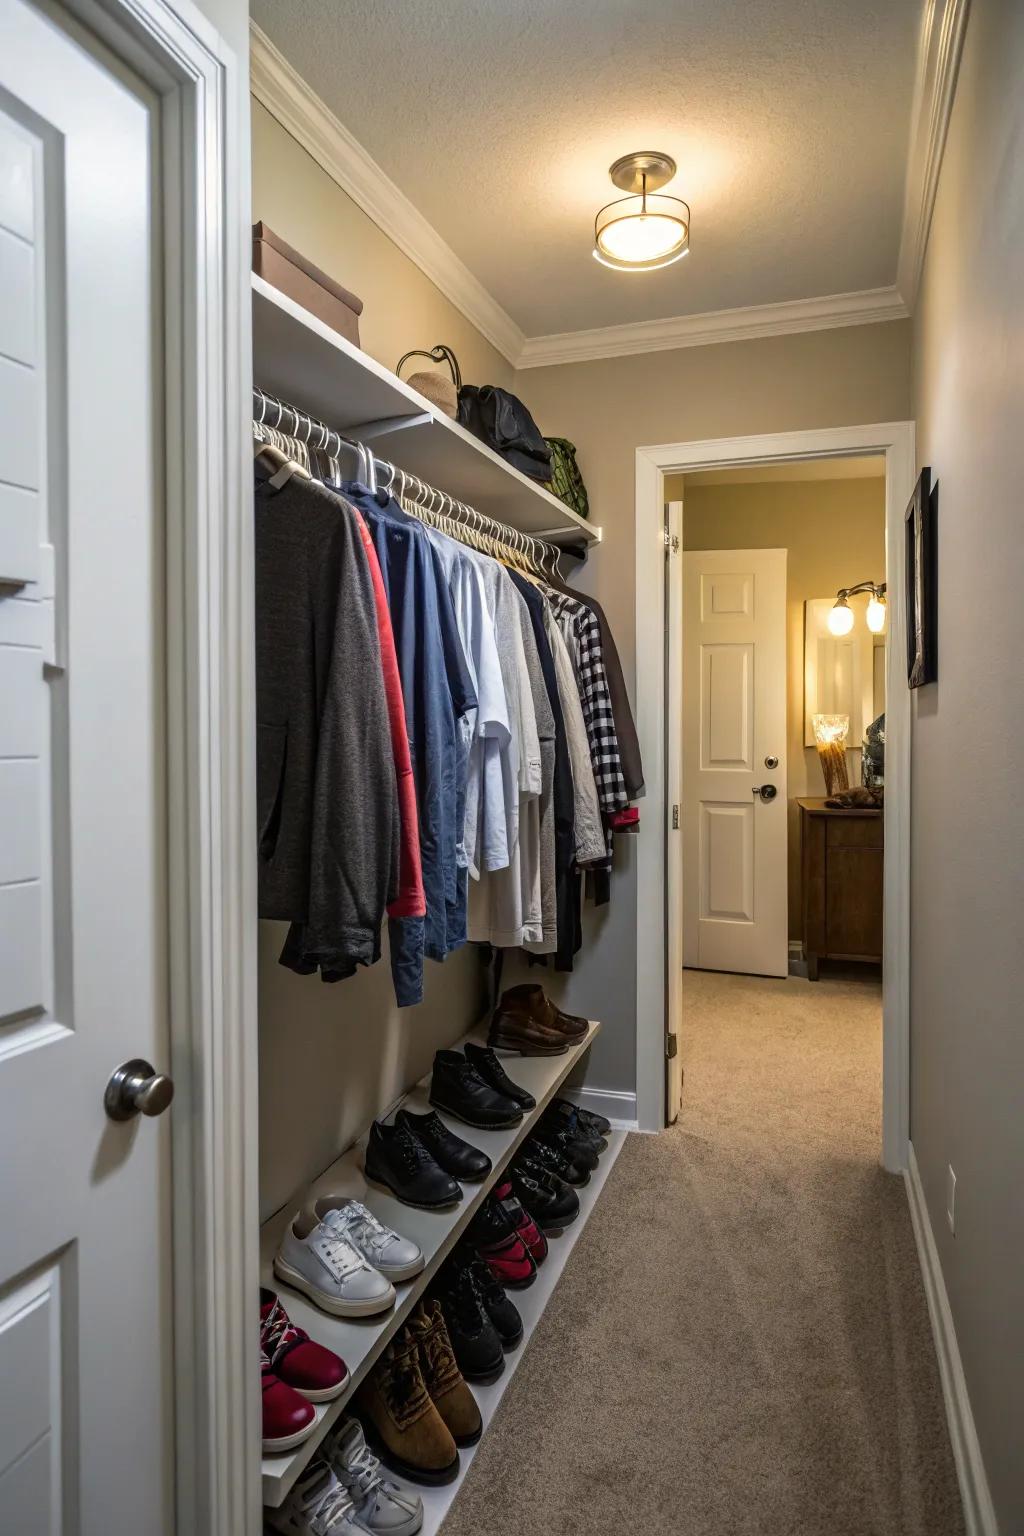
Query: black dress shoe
x=500, y=1308
x=478, y=1350
x=588, y=1118
x=399, y=1160
x=553, y=1205
x=487, y=1065
x=458, y=1089
x=571, y=1138
x=449, y=1151
x=557, y=1161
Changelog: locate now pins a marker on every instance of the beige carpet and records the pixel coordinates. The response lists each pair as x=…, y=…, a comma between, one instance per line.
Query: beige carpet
x=740, y=1344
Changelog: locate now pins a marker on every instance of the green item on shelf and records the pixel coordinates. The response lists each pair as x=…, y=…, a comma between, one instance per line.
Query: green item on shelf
x=566, y=481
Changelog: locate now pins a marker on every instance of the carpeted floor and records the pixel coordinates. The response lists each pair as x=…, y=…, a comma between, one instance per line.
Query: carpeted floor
x=740, y=1343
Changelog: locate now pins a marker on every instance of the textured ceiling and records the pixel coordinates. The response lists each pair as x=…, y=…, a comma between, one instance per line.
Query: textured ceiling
x=789, y=120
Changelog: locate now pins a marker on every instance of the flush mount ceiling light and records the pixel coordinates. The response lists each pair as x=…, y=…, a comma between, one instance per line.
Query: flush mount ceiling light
x=643, y=231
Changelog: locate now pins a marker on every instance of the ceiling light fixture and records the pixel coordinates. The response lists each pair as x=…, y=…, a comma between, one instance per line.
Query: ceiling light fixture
x=643, y=231
x=840, y=616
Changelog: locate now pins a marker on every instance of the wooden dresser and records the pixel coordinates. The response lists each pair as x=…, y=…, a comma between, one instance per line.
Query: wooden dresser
x=841, y=855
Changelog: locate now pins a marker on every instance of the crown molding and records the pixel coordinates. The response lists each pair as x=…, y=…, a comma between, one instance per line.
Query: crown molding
x=284, y=93
x=838, y=309
x=938, y=62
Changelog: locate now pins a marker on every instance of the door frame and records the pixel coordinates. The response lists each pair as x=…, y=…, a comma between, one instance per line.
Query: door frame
x=896, y=440
x=202, y=255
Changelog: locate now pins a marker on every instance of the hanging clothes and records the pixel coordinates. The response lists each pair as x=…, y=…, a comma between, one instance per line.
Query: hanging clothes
x=327, y=794
x=437, y=690
x=537, y=834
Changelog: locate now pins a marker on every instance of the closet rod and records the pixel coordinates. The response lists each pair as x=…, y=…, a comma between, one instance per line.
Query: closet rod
x=318, y=437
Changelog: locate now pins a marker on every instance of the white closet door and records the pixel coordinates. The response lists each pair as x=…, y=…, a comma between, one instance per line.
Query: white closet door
x=734, y=761
x=85, y=1271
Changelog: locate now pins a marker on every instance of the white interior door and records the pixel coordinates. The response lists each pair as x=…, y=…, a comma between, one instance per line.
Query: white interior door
x=85, y=1260
x=734, y=761
x=673, y=799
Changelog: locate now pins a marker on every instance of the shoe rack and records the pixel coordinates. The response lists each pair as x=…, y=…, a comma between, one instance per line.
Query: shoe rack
x=530, y=1305
x=360, y=1341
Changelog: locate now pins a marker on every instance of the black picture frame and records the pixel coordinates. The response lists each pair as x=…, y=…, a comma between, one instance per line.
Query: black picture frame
x=920, y=524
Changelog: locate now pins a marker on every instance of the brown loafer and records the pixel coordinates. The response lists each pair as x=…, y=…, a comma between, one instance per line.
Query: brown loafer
x=534, y=1002
x=513, y=1030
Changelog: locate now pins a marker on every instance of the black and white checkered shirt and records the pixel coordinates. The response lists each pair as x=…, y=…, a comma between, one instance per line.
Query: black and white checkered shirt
x=582, y=632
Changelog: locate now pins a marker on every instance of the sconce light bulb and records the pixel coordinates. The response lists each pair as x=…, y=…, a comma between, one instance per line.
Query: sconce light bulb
x=876, y=613
x=840, y=618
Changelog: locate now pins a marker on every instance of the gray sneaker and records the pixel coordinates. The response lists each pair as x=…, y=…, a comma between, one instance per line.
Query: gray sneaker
x=394, y=1256
x=381, y=1507
x=318, y=1505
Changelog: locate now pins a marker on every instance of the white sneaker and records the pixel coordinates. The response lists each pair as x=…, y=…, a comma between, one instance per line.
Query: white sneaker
x=318, y=1259
x=381, y=1507
x=397, y=1257
x=318, y=1505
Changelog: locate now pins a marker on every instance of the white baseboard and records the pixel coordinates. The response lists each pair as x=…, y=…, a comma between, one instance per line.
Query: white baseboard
x=979, y=1514
x=616, y=1106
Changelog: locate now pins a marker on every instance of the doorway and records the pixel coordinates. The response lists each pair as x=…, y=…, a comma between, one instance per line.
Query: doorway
x=660, y=851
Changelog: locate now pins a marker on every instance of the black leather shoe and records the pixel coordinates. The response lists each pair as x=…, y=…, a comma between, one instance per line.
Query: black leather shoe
x=399, y=1160
x=552, y=1204
x=478, y=1351
x=557, y=1162
x=486, y=1063
x=458, y=1089
x=566, y=1117
x=500, y=1308
x=449, y=1151
x=588, y=1118
x=568, y=1137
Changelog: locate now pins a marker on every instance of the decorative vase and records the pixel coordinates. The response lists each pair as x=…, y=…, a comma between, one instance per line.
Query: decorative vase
x=830, y=733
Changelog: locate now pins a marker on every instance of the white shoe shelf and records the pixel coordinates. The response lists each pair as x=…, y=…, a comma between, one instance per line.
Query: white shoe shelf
x=305, y=363
x=360, y=1341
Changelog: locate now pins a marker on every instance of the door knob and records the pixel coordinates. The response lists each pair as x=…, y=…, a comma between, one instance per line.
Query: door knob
x=136, y=1089
x=771, y=761
x=766, y=791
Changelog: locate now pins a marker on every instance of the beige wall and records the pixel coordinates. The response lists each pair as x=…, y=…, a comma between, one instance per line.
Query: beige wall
x=402, y=308
x=967, y=854
x=609, y=409
x=834, y=531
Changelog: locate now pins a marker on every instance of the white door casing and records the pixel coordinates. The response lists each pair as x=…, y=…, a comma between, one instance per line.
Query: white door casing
x=85, y=1292
x=733, y=723
x=674, y=796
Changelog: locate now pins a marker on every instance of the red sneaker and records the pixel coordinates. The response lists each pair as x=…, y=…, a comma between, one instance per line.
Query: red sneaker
x=496, y=1240
x=527, y=1230
x=298, y=1361
x=287, y=1417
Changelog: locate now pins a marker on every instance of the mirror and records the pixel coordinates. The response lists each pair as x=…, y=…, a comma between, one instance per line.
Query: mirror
x=843, y=674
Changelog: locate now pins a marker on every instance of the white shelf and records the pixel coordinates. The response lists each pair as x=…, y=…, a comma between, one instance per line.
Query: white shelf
x=301, y=360
x=530, y=1303
x=359, y=1342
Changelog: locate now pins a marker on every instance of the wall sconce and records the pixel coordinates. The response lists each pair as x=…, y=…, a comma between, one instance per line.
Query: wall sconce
x=840, y=619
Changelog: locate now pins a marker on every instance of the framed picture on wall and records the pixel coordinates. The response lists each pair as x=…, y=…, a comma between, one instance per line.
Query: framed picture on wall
x=922, y=573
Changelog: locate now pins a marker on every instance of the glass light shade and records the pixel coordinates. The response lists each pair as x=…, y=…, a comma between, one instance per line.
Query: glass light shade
x=840, y=618
x=830, y=733
x=876, y=613
x=641, y=233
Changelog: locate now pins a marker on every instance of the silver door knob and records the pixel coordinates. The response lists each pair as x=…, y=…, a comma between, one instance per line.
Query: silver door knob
x=766, y=791
x=771, y=761
x=136, y=1089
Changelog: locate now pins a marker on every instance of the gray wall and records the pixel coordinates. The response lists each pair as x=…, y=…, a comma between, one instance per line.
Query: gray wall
x=967, y=860
x=609, y=409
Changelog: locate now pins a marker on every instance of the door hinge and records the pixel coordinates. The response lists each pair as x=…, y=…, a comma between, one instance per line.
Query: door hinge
x=675, y=818
x=671, y=541
x=671, y=1046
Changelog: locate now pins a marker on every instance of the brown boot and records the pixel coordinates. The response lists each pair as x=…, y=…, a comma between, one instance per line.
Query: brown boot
x=401, y=1420
x=527, y=1021
x=444, y=1381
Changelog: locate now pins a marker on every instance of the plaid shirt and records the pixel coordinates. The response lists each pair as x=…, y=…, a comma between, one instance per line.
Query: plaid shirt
x=582, y=633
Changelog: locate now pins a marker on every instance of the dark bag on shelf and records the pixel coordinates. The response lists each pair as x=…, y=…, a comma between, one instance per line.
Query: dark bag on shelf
x=502, y=422
x=566, y=481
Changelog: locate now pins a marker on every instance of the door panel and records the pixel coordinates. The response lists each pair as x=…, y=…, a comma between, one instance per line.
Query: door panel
x=85, y=1258
x=673, y=798
x=733, y=720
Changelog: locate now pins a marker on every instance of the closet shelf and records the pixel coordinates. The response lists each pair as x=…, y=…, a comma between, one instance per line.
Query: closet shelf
x=301, y=360
x=360, y=1342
